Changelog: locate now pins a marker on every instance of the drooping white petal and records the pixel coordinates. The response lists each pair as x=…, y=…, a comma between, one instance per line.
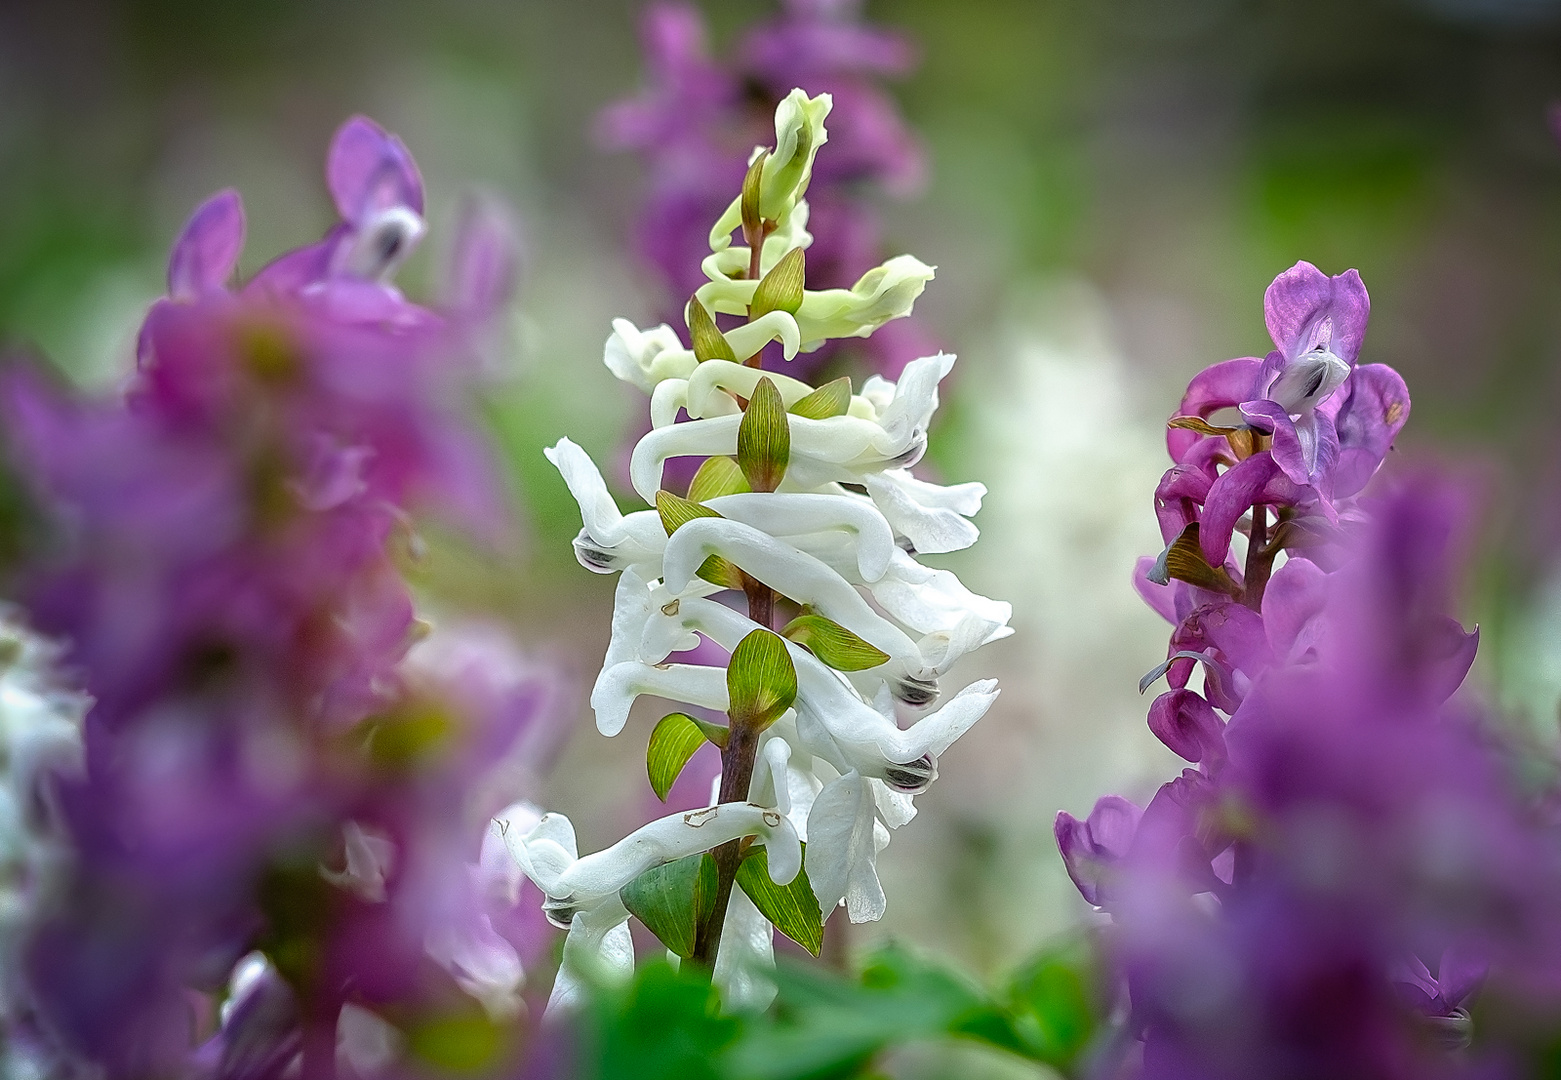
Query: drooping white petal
x=598, y=952
x=616, y=540
x=842, y=853
x=646, y=357
x=746, y=957
x=933, y=518
x=617, y=687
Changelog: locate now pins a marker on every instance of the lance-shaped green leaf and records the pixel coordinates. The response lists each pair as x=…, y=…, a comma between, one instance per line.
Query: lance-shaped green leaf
x=676, y=511
x=673, y=899
x=761, y=682
x=716, y=477
x=833, y=643
x=792, y=908
x=782, y=287
x=1183, y=559
x=709, y=342
x=672, y=743
x=753, y=223
x=764, y=438
x=831, y=399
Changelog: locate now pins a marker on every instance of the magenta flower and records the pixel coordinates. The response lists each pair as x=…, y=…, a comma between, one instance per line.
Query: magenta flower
x=263, y=776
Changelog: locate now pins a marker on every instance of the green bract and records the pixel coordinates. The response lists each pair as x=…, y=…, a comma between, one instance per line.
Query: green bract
x=764, y=438
x=760, y=680
x=834, y=644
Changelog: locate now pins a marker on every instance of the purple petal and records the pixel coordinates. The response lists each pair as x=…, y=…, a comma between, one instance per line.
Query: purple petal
x=1256, y=481
x=1237, y=632
x=1374, y=408
x=1162, y=598
x=1460, y=973
x=1218, y=386
x=1189, y=726
x=1090, y=847
x=206, y=253
x=1305, y=309
x=1305, y=450
x=370, y=170
x=483, y=266
x=1182, y=490
x=1296, y=595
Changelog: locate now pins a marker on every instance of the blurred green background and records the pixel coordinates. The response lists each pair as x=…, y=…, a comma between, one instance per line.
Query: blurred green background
x=1113, y=185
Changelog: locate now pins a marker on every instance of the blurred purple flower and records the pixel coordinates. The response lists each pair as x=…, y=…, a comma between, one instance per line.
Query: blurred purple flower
x=262, y=771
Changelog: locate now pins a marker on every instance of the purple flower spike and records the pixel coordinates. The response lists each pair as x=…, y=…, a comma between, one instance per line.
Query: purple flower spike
x=1090, y=848
x=207, y=251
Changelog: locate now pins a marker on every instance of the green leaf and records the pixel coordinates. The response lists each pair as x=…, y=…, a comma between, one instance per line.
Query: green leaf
x=792, y=908
x=673, y=899
x=1056, y=1003
x=719, y=571
x=764, y=438
x=833, y=643
x=676, y=512
x=760, y=680
x=782, y=287
x=831, y=399
x=1183, y=559
x=665, y=1025
x=709, y=342
x=716, y=477
x=672, y=743
x=753, y=184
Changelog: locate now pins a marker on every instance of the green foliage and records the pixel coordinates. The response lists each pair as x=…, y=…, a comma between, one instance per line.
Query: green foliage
x=666, y=1027
x=672, y=743
x=828, y=1026
x=834, y=644
x=761, y=682
x=1057, y=1004
x=764, y=438
x=673, y=899
x=718, y=476
x=782, y=288
x=792, y=908
x=709, y=342
x=831, y=399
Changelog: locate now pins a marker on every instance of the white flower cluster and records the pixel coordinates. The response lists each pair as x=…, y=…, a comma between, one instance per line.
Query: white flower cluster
x=837, y=538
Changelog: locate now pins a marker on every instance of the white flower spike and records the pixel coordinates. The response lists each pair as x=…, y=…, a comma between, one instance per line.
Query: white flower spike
x=815, y=511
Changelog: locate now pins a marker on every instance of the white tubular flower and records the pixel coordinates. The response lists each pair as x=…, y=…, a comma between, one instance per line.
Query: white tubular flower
x=841, y=448
x=883, y=293
x=547, y=854
x=646, y=357
x=617, y=687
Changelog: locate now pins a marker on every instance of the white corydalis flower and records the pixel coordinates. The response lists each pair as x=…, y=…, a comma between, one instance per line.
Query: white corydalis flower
x=835, y=532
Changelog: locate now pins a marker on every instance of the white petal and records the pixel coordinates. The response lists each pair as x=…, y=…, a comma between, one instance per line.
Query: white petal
x=746, y=957
x=932, y=518
x=617, y=687
x=791, y=514
x=841, y=853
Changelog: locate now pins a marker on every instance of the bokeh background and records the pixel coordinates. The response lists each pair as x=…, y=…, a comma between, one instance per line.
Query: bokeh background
x=1112, y=185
